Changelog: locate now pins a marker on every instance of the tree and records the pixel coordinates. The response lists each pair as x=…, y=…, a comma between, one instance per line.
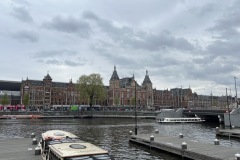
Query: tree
x=26, y=100
x=5, y=100
x=116, y=101
x=91, y=87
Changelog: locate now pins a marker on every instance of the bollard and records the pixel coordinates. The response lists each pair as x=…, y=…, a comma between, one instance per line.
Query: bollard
x=37, y=151
x=130, y=132
x=216, y=142
x=237, y=156
x=32, y=135
x=156, y=131
x=151, y=138
x=217, y=130
x=184, y=145
x=34, y=141
x=180, y=135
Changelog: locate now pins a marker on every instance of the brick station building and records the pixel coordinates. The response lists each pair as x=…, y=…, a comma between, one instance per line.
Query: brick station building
x=122, y=91
x=45, y=93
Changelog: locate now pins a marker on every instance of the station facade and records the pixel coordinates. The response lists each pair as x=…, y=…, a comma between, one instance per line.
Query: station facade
x=43, y=94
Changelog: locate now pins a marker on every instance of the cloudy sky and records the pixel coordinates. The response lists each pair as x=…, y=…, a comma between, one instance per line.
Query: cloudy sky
x=180, y=42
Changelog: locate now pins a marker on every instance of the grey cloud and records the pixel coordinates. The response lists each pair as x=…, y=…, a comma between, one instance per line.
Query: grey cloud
x=227, y=33
x=90, y=15
x=26, y=36
x=60, y=62
x=72, y=63
x=126, y=37
x=53, y=62
x=107, y=26
x=59, y=57
x=163, y=40
x=22, y=14
x=203, y=60
x=228, y=25
x=219, y=70
x=119, y=59
x=69, y=25
x=54, y=53
x=21, y=2
x=231, y=48
x=205, y=10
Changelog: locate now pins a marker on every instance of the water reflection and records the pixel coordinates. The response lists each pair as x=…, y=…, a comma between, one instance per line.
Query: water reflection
x=112, y=134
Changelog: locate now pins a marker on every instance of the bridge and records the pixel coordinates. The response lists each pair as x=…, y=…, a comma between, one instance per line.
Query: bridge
x=210, y=115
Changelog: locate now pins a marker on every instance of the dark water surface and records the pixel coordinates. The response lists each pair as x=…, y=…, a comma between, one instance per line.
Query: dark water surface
x=112, y=134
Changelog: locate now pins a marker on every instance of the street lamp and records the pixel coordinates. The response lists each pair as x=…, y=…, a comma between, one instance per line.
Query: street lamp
x=228, y=111
x=236, y=92
x=135, y=108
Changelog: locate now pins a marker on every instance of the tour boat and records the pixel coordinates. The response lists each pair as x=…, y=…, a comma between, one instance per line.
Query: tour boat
x=181, y=120
x=62, y=145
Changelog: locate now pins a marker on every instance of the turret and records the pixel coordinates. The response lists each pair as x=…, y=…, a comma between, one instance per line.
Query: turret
x=47, y=80
x=114, y=81
x=147, y=84
x=114, y=75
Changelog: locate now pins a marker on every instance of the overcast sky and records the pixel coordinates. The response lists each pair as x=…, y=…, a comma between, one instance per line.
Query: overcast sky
x=180, y=42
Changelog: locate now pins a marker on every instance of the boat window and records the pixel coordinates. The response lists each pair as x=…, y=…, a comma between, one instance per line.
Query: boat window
x=92, y=157
x=53, y=156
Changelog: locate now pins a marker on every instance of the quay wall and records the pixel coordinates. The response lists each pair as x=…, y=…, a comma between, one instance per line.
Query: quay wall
x=82, y=113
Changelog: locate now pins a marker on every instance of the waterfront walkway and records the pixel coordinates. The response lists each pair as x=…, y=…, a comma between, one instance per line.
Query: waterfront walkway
x=194, y=150
x=235, y=133
x=18, y=149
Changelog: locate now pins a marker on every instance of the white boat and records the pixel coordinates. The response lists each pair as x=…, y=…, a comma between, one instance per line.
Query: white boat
x=77, y=151
x=181, y=120
x=62, y=145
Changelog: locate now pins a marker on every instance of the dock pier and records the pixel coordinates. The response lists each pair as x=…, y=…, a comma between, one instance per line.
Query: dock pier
x=18, y=149
x=232, y=133
x=186, y=148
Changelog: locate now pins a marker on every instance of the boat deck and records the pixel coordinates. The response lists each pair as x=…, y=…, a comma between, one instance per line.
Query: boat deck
x=195, y=150
x=18, y=149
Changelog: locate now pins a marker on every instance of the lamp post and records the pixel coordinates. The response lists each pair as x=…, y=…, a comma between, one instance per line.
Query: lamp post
x=135, y=108
x=228, y=111
x=236, y=92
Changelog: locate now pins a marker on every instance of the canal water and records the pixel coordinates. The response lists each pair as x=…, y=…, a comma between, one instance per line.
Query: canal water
x=112, y=134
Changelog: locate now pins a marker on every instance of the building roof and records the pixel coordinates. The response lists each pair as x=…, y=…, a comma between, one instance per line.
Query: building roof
x=180, y=91
x=10, y=85
x=48, y=77
x=41, y=83
x=114, y=75
x=125, y=82
x=147, y=79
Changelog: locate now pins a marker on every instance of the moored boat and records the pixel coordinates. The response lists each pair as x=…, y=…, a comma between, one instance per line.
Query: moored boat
x=62, y=145
x=181, y=120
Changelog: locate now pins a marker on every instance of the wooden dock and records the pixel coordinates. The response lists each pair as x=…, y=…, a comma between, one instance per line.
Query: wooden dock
x=18, y=149
x=235, y=133
x=195, y=150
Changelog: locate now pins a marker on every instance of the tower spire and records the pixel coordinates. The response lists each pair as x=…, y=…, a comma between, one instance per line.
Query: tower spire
x=114, y=75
